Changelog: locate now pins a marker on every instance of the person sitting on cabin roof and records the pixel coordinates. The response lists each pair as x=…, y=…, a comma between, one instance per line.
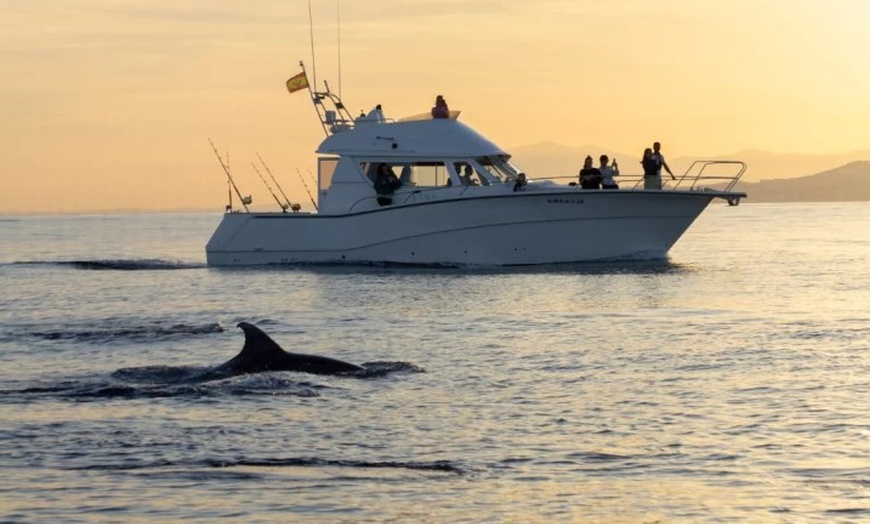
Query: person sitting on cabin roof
x=440, y=110
x=376, y=114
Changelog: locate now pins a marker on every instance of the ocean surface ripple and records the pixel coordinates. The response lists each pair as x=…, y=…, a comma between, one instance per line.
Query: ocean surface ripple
x=727, y=383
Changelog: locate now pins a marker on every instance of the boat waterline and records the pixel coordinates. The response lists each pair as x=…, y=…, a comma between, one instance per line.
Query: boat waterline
x=523, y=229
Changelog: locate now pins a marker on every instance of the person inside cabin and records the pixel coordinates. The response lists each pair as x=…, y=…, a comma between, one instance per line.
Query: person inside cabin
x=386, y=183
x=521, y=182
x=608, y=172
x=467, y=176
x=652, y=178
x=440, y=110
x=590, y=177
x=405, y=177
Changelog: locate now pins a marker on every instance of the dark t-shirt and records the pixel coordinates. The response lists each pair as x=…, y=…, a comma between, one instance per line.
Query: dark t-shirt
x=386, y=183
x=651, y=165
x=590, y=178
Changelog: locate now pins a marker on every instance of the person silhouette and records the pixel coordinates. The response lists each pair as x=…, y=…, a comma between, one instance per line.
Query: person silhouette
x=386, y=183
x=651, y=173
x=590, y=177
x=440, y=110
x=608, y=172
x=660, y=160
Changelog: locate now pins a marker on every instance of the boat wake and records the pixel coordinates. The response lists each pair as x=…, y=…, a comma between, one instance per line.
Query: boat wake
x=146, y=332
x=95, y=390
x=438, y=466
x=189, y=374
x=147, y=264
x=187, y=382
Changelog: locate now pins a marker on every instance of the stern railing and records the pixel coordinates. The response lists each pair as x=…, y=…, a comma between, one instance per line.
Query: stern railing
x=691, y=178
x=697, y=174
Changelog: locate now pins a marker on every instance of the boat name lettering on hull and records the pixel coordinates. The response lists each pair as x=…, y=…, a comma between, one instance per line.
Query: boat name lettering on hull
x=564, y=200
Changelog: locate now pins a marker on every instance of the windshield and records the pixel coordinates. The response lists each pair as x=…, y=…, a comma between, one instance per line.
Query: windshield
x=499, y=168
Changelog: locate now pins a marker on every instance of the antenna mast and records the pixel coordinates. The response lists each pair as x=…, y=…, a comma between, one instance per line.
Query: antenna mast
x=338, y=23
x=311, y=32
x=336, y=117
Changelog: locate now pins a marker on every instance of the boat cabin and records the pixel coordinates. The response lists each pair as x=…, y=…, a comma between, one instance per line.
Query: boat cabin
x=433, y=159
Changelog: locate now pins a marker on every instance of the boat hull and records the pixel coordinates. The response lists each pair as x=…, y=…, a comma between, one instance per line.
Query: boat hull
x=516, y=229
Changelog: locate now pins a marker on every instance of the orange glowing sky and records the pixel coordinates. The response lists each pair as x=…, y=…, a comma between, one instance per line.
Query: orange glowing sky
x=108, y=104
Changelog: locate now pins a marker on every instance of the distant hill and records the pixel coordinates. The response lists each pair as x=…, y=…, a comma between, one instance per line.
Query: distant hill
x=549, y=159
x=770, y=177
x=765, y=166
x=848, y=183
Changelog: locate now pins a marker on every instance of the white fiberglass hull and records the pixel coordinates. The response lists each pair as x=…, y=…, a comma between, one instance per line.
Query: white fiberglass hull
x=515, y=229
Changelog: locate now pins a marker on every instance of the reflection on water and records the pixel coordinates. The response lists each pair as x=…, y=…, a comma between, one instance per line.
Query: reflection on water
x=726, y=383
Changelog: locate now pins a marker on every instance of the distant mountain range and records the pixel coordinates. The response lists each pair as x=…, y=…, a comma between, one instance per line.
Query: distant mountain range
x=848, y=183
x=770, y=177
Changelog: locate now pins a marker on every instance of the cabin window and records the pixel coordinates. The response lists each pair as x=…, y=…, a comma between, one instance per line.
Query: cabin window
x=429, y=174
x=468, y=175
x=326, y=168
x=420, y=174
x=499, y=168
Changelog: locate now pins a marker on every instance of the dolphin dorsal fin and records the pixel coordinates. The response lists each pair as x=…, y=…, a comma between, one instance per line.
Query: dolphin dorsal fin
x=257, y=344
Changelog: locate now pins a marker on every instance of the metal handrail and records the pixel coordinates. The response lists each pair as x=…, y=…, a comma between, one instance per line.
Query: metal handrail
x=687, y=179
x=730, y=181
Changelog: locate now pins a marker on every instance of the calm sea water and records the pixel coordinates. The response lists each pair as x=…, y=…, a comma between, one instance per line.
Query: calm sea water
x=728, y=383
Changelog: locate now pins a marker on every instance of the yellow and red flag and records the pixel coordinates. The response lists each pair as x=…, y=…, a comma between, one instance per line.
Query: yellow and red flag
x=297, y=82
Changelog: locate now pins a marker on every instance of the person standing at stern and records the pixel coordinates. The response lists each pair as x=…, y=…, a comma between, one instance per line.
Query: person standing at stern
x=660, y=160
x=608, y=172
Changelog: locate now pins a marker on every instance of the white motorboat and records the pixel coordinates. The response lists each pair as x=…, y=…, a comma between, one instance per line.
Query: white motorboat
x=460, y=202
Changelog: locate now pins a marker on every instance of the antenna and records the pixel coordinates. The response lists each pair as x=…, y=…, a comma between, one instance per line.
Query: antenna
x=338, y=23
x=311, y=31
x=336, y=118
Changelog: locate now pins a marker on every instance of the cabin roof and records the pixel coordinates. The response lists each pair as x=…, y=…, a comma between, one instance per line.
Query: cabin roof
x=442, y=137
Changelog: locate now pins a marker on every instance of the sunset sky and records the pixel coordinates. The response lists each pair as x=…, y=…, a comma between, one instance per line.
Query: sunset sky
x=109, y=104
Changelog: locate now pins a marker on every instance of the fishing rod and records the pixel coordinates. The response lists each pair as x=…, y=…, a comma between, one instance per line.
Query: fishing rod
x=244, y=200
x=229, y=207
x=306, y=188
x=281, y=204
x=313, y=178
x=275, y=181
